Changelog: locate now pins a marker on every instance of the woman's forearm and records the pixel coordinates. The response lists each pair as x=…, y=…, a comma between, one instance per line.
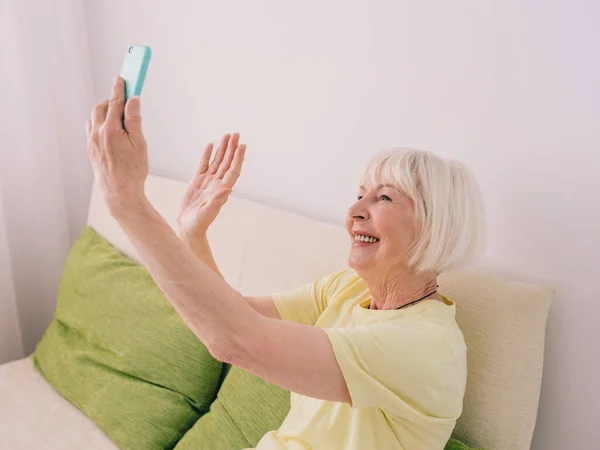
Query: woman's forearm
x=202, y=250
x=207, y=304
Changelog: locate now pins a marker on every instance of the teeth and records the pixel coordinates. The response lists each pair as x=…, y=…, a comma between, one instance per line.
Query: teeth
x=362, y=238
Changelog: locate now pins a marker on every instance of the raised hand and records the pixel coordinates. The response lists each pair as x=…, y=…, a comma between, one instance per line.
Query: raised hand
x=117, y=148
x=210, y=187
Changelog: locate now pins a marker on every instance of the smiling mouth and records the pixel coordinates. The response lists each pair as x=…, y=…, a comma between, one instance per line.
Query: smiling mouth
x=361, y=239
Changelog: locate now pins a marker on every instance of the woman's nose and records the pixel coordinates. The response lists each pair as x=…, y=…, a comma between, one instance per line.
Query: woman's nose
x=357, y=211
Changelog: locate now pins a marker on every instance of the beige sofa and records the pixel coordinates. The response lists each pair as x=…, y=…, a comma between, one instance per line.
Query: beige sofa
x=261, y=250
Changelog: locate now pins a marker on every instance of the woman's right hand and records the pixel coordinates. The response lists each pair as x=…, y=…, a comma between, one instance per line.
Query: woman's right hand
x=208, y=191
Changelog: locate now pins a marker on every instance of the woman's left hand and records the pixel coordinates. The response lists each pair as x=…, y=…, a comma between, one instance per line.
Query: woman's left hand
x=119, y=154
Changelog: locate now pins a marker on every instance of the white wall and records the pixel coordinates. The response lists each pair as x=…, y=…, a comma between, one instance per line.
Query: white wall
x=509, y=88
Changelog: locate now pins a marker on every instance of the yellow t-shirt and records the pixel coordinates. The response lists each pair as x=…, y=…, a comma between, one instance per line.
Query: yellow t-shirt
x=405, y=371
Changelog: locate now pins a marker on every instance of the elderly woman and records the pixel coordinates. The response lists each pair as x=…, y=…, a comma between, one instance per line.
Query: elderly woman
x=372, y=354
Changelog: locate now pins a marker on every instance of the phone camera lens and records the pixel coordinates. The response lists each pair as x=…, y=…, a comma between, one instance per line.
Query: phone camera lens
x=130, y=49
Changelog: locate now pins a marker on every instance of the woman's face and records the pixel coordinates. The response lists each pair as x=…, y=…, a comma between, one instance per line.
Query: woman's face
x=386, y=214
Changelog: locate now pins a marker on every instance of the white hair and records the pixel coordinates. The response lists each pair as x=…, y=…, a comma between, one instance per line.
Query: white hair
x=449, y=212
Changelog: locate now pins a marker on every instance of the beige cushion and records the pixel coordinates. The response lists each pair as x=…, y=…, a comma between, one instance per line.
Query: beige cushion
x=504, y=326
x=34, y=416
x=261, y=250
x=285, y=250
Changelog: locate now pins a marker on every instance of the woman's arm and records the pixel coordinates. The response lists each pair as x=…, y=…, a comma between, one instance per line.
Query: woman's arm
x=296, y=357
x=201, y=248
x=205, y=195
x=263, y=305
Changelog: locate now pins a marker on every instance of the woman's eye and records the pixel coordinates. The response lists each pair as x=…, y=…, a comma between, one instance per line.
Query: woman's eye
x=386, y=198
x=359, y=197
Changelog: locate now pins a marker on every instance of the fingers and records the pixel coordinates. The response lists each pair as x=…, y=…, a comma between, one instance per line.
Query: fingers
x=214, y=166
x=234, y=171
x=205, y=160
x=226, y=165
x=221, y=198
x=99, y=114
x=117, y=103
x=193, y=185
x=231, y=148
x=133, y=117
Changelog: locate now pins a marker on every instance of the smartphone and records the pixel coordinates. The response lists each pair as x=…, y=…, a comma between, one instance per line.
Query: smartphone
x=134, y=69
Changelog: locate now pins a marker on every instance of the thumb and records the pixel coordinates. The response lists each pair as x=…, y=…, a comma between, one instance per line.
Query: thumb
x=133, y=116
x=221, y=197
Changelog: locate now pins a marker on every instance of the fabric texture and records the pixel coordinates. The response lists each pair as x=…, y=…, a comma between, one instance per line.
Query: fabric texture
x=405, y=370
x=245, y=409
x=34, y=416
x=504, y=324
x=119, y=351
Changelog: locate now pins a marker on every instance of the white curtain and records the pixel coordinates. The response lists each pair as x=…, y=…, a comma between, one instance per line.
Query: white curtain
x=11, y=346
x=45, y=178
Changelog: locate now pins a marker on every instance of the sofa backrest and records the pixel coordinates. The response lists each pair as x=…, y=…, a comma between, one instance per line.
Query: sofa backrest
x=261, y=250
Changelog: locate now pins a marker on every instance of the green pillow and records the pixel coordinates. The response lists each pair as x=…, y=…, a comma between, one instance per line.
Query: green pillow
x=454, y=444
x=246, y=408
x=118, y=350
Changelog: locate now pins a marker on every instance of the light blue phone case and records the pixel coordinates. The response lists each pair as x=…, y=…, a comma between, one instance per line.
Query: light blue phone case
x=134, y=69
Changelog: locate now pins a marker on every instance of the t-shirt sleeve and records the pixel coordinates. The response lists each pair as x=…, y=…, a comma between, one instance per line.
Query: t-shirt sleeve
x=306, y=303
x=401, y=368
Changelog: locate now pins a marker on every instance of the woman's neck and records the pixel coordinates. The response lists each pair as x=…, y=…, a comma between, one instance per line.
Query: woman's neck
x=399, y=287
